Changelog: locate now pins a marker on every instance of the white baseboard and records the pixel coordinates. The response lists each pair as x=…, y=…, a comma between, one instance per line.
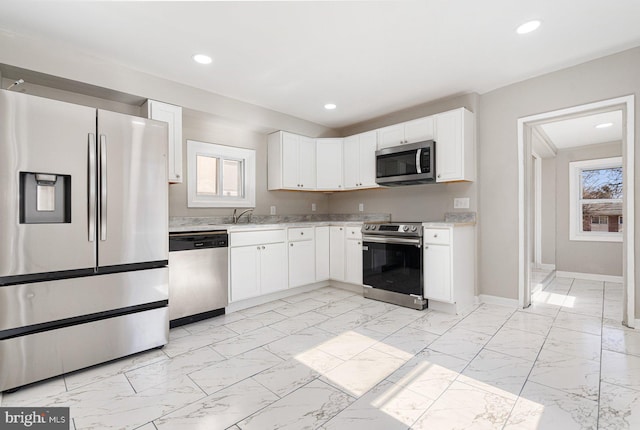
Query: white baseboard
x=545, y=266
x=589, y=276
x=260, y=300
x=495, y=300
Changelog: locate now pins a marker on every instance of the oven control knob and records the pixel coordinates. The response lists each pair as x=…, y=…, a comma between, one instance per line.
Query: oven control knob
x=373, y=227
x=366, y=227
x=405, y=228
x=414, y=228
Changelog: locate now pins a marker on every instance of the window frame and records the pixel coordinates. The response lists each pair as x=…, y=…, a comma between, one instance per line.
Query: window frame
x=575, y=200
x=247, y=157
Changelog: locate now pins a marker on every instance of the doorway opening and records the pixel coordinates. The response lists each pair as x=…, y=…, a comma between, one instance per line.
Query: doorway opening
x=536, y=136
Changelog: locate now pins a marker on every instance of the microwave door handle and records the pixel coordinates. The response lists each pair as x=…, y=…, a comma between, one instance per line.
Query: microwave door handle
x=418, y=157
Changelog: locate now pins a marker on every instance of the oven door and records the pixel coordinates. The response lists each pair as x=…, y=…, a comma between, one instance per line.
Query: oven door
x=393, y=264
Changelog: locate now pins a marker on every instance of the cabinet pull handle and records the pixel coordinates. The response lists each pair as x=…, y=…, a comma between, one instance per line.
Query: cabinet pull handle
x=435, y=235
x=258, y=248
x=263, y=247
x=302, y=233
x=426, y=247
x=291, y=244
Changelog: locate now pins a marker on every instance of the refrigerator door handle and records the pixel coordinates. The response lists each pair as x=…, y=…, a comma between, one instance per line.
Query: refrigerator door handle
x=92, y=187
x=103, y=187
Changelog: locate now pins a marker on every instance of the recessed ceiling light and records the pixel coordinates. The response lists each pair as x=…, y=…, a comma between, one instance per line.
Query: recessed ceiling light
x=604, y=125
x=329, y=106
x=202, y=59
x=528, y=27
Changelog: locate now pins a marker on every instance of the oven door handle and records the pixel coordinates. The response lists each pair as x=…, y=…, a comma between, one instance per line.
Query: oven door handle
x=397, y=240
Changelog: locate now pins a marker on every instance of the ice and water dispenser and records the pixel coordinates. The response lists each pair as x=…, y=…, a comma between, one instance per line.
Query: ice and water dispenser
x=45, y=198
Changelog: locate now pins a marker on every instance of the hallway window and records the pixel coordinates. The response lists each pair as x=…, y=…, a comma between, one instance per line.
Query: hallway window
x=596, y=199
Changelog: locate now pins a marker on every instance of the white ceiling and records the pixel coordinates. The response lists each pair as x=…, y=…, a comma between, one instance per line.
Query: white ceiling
x=582, y=130
x=368, y=57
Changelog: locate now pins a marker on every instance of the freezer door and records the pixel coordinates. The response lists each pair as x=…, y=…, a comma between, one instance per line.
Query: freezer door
x=44, y=188
x=133, y=218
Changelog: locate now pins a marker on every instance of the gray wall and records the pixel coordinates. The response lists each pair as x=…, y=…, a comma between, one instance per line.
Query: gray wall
x=604, y=258
x=499, y=110
x=548, y=221
x=212, y=129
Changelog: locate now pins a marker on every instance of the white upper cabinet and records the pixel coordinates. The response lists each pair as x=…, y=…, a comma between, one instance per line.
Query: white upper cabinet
x=329, y=164
x=418, y=130
x=360, y=161
x=172, y=115
x=455, y=146
x=292, y=162
x=334, y=164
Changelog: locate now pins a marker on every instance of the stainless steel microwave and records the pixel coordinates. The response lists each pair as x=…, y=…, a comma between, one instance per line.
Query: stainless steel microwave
x=409, y=164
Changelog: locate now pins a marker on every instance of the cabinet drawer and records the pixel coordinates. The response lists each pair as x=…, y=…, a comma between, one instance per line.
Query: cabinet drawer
x=300, y=233
x=438, y=236
x=354, y=233
x=246, y=238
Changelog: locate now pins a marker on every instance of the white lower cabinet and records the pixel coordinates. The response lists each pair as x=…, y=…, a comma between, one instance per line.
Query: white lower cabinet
x=322, y=253
x=337, y=253
x=258, y=263
x=437, y=272
x=267, y=261
x=449, y=264
x=353, y=260
x=245, y=272
x=302, y=256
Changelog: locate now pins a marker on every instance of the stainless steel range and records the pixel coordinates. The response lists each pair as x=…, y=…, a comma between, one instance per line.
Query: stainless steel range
x=392, y=263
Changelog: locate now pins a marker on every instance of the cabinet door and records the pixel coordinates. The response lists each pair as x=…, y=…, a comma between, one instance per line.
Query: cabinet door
x=353, y=265
x=336, y=253
x=449, y=146
x=351, y=151
x=307, y=163
x=244, y=273
x=290, y=156
x=437, y=273
x=322, y=253
x=329, y=164
x=273, y=268
x=302, y=263
x=367, y=159
x=172, y=115
x=418, y=130
x=391, y=136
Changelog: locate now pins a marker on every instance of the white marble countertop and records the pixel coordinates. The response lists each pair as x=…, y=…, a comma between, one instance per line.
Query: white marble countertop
x=257, y=227
x=440, y=224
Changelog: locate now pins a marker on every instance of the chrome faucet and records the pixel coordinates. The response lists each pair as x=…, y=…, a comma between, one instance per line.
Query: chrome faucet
x=236, y=218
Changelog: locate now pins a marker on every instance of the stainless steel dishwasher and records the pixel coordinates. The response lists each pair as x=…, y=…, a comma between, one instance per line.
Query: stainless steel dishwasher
x=198, y=276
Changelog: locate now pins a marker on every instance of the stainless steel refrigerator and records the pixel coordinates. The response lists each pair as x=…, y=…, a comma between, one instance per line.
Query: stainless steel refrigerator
x=83, y=237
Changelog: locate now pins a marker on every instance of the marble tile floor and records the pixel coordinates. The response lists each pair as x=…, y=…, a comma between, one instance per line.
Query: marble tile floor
x=330, y=359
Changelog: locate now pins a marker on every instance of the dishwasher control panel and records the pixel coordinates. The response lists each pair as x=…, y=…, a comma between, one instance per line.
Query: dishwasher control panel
x=198, y=240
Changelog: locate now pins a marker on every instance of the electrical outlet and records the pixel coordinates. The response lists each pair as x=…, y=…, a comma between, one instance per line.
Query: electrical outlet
x=361, y=207
x=461, y=203
x=273, y=210
x=313, y=207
